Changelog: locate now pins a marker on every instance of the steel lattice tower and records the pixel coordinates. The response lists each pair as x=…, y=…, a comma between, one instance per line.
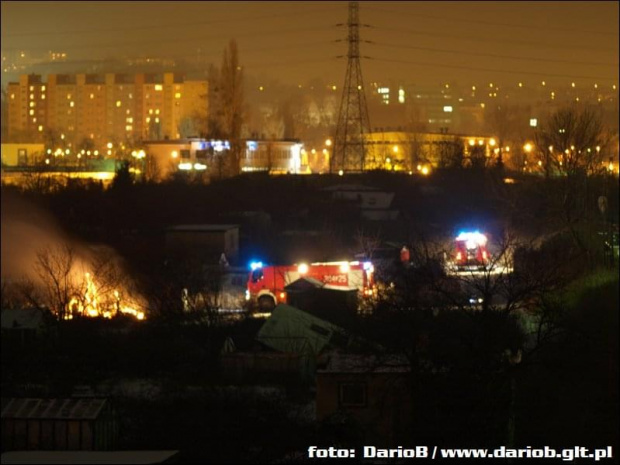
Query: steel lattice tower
x=349, y=151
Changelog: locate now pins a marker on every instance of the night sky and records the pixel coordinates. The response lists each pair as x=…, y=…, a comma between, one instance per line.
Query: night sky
x=419, y=42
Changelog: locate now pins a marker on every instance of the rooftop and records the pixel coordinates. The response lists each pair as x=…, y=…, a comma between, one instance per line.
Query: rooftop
x=358, y=363
x=69, y=409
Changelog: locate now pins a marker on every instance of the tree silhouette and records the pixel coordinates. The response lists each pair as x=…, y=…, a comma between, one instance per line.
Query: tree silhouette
x=572, y=141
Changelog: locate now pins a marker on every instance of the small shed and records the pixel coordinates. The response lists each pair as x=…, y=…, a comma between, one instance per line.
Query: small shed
x=203, y=241
x=375, y=390
x=328, y=303
x=58, y=424
x=292, y=330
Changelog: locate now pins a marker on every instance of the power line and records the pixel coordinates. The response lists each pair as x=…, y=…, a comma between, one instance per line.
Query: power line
x=169, y=41
x=166, y=26
x=492, y=55
x=492, y=23
x=486, y=39
x=492, y=70
x=287, y=63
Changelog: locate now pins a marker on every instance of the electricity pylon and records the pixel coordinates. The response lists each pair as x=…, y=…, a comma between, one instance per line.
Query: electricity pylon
x=349, y=149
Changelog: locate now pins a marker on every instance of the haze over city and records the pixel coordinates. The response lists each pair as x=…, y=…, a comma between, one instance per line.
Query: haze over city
x=293, y=42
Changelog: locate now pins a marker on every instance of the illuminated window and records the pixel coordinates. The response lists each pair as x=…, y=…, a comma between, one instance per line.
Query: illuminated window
x=128, y=128
x=12, y=96
x=71, y=104
x=68, y=96
x=533, y=122
x=150, y=111
x=43, y=97
x=157, y=120
x=130, y=120
x=157, y=111
x=118, y=103
x=40, y=128
x=177, y=95
x=31, y=112
x=32, y=96
x=31, y=88
x=148, y=120
x=447, y=109
x=42, y=88
x=32, y=104
x=92, y=96
x=159, y=87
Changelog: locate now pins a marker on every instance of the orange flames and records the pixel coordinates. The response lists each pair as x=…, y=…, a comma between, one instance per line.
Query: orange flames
x=96, y=302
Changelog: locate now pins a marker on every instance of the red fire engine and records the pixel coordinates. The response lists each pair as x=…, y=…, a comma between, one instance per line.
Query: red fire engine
x=471, y=251
x=266, y=283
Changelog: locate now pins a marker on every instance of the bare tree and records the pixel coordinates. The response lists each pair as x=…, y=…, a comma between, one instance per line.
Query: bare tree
x=232, y=105
x=54, y=266
x=572, y=141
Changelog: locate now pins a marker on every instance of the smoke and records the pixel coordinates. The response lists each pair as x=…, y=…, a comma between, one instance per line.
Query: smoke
x=28, y=231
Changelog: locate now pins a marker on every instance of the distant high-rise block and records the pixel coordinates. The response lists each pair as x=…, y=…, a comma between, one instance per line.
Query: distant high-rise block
x=106, y=108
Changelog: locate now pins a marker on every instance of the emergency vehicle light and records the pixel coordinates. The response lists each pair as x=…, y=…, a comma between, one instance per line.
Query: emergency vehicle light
x=472, y=239
x=256, y=265
x=302, y=268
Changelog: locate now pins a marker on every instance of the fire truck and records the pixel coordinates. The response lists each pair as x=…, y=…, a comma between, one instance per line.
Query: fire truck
x=470, y=252
x=265, y=287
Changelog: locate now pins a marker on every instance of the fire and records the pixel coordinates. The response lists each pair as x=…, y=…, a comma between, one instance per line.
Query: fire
x=95, y=302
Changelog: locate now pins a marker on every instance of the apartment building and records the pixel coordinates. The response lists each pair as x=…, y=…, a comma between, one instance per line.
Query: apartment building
x=108, y=108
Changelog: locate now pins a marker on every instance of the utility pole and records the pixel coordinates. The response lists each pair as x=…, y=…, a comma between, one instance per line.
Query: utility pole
x=349, y=149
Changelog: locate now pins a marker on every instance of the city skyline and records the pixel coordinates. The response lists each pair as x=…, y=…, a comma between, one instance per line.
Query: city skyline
x=421, y=42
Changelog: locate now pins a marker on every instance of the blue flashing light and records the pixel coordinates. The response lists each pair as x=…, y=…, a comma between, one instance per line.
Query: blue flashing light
x=256, y=265
x=473, y=238
x=367, y=265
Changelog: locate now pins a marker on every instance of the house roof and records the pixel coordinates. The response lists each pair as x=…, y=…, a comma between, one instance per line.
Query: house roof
x=52, y=409
x=304, y=283
x=290, y=329
x=27, y=318
x=358, y=363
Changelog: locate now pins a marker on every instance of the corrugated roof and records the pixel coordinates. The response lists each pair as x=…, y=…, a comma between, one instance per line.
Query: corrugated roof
x=66, y=409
